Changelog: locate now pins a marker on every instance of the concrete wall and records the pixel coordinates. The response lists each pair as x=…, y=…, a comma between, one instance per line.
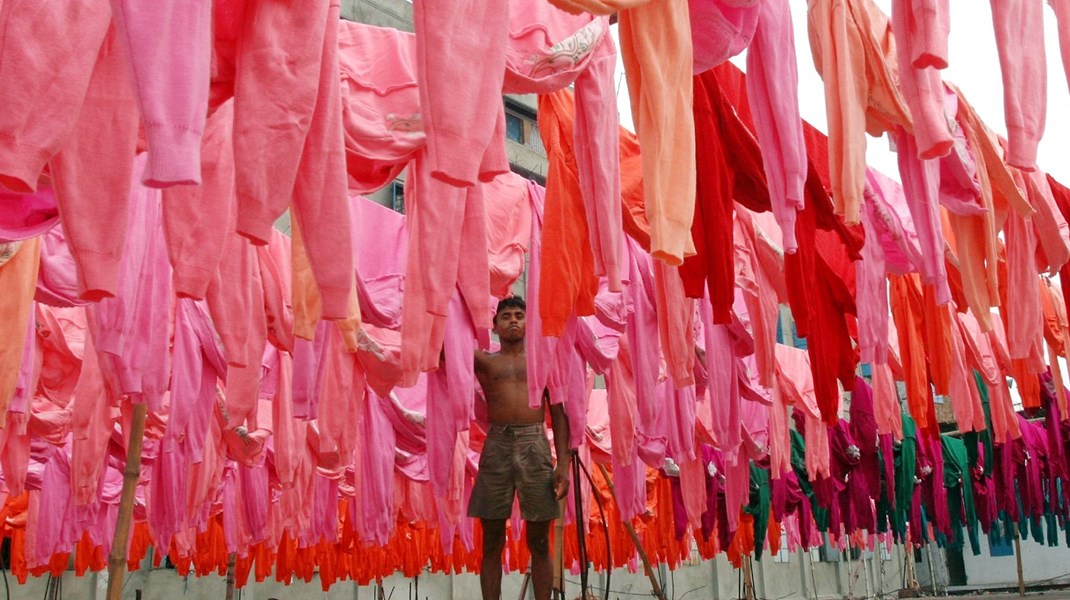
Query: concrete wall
x=1040, y=565
x=699, y=580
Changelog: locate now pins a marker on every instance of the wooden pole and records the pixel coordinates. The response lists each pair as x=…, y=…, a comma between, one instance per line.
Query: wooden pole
x=748, y=578
x=232, y=559
x=635, y=538
x=866, y=574
x=850, y=574
x=1018, y=557
x=558, y=558
x=524, y=586
x=932, y=567
x=131, y=474
x=813, y=574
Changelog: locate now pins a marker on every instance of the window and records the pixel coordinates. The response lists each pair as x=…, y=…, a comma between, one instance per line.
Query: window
x=397, y=196
x=999, y=547
x=514, y=128
x=828, y=551
x=783, y=556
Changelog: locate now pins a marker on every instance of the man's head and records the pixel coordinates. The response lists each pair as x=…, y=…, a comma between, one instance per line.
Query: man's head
x=509, y=321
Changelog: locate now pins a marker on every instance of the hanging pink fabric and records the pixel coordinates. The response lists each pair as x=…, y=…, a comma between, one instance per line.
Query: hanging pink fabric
x=508, y=230
x=380, y=251
x=721, y=29
x=49, y=52
x=27, y=215
x=93, y=187
x=920, y=185
x=1019, y=26
x=463, y=143
x=380, y=103
x=168, y=51
x=922, y=88
x=57, y=277
x=194, y=214
x=773, y=96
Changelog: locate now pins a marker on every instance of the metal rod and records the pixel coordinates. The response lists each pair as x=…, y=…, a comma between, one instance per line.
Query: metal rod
x=655, y=586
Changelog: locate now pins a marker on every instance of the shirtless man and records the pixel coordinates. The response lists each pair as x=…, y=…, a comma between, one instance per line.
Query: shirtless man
x=516, y=457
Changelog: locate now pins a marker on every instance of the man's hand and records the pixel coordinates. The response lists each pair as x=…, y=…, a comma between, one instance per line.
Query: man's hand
x=560, y=482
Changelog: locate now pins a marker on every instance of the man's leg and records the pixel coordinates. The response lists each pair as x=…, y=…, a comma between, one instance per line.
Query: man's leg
x=538, y=534
x=490, y=572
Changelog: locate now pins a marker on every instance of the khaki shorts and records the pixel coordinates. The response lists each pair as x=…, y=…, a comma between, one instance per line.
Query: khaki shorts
x=516, y=459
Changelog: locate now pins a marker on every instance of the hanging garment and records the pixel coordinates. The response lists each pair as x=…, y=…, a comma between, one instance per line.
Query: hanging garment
x=721, y=30
x=169, y=50
x=49, y=52
x=1019, y=26
x=921, y=87
x=847, y=38
x=380, y=103
x=567, y=258
x=194, y=231
x=656, y=48
x=549, y=50
x=907, y=306
x=272, y=110
x=731, y=169
x=921, y=179
x=380, y=251
x=27, y=215
x=18, y=276
x=93, y=187
x=773, y=92
x=320, y=203
x=465, y=141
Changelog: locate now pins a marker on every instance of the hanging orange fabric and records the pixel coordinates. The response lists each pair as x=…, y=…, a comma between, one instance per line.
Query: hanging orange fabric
x=906, y=303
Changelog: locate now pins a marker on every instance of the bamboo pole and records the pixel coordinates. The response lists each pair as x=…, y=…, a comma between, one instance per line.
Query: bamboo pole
x=748, y=578
x=131, y=474
x=1018, y=557
x=635, y=538
x=558, y=558
x=932, y=567
x=232, y=559
x=813, y=573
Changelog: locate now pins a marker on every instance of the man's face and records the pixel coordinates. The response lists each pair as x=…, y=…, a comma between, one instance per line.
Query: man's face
x=509, y=324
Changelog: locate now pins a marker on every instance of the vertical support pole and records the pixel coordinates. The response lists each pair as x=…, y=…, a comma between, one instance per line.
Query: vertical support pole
x=654, y=585
x=232, y=559
x=558, y=558
x=932, y=567
x=1018, y=557
x=131, y=474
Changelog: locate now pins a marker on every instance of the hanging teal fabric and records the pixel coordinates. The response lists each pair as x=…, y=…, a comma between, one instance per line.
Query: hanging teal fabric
x=760, y=501
x=960, y=493
x=905, y=469
x=798, y=464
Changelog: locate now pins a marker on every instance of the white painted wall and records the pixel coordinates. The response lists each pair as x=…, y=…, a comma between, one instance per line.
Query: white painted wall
x=699, y=581
x=1040, y=564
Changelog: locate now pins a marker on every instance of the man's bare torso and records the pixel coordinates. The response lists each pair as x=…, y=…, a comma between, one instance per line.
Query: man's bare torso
x=505, y=385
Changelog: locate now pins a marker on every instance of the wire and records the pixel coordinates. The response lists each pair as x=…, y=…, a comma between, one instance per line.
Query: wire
x=580, y=534
x=605, y=525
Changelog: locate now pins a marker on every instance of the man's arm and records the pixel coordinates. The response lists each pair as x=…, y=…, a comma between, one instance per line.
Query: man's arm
x=559, y=422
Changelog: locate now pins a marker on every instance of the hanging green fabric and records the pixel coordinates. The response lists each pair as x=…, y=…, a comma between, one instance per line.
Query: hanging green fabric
x=984, y=437
x=905, y=468
x=884, y=504
x=761, y=498
x=960, y=492
x=798, y=464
